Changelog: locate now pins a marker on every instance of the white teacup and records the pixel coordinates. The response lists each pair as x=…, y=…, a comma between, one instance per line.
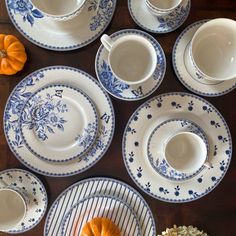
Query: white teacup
x=132, y=58
x=212, y=51
x=186, y=152
x=60, y=10
x=13, y=206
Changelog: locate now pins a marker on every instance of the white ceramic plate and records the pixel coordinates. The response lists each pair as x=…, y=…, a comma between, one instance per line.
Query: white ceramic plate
x=142, y=17
x=162, y=108
x=59, y=123
x=99, y=186
x=54, y=75
x=61, y=35
x=108, y=207
x=36, y=193
x=124, y=91
x=196, y=84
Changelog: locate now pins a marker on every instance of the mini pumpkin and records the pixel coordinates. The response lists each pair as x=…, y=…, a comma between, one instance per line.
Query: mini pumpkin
x=12, y=55
x=100, y=227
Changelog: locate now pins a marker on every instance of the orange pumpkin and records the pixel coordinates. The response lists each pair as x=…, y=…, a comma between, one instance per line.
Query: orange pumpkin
x=100, y=227
x=12, y=55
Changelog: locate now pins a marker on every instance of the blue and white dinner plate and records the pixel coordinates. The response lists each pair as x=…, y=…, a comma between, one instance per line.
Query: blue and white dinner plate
x=196, y=84
x=108, y=207
x=36, y=193
x=59, y=123
x=99, y=186
x=59, y=75
x=171, y=106
x=156, y=144
x=146, y=20
x=122, y=90
x=61, y=35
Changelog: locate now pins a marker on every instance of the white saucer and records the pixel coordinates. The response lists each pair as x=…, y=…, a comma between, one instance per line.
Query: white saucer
x=108, y=207
x=36, y=193
x=124, y=91
x=172, y=106
x=61, y=35
x=195, y=83
x=146, y=20
x=157, y=140
x=59, y=75
x=59, y=123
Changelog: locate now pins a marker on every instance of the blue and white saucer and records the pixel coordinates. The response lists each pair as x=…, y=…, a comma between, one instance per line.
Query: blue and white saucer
x=59, y=75
x=99, y=186
x=59, y=123
x=108, y=207
x=61, y=35
x=174, y=106
x=124, y=91
x=36, y=194
x=157, y=140
x=196, y=83
x=146, y=20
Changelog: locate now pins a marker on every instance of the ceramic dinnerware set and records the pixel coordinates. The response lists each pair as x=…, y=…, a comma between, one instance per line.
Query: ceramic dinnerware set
x=59, y=121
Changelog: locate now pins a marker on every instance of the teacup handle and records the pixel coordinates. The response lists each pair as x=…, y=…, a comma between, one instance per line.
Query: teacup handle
x=107, y=42
x=208, y=164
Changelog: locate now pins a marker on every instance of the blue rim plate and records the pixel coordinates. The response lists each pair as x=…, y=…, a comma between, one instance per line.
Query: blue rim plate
x=59, y=123
x=61, y=35
x=36, y=192
x=195, y=84
x=99, y=186
x=75, y=78
x=104, y=206
x=124, y=91
x=143, y=18
x=170, y=106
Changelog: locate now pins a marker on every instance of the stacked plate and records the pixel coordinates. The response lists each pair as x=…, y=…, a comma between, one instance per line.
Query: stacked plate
x=55, y=124
x=149, y=132
x=100, y=197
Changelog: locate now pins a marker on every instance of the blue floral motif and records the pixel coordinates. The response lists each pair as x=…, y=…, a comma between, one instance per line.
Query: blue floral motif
x=163, y=190
x=111, y=83
x=43, y=115
x=25, y=9
x=104, y=12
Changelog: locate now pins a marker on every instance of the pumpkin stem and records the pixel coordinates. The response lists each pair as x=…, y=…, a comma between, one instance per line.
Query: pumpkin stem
x=3, y=53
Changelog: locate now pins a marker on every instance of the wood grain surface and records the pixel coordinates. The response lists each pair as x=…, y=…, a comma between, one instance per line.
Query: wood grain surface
x=214, y=213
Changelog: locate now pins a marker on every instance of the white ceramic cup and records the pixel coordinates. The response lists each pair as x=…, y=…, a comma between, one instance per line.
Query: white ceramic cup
x=13, y=207
x=60, y=10
x=211, y=53
x=132, y=58
x=186, y=152
x=162, y=7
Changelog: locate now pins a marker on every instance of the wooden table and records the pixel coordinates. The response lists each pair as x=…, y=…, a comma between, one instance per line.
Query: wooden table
x=216, y=212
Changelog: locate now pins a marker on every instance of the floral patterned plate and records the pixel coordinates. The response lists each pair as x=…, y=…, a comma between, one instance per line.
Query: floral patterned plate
x=124, y=91
x=61, y=35
x=36, y=194
x=59, y=75
x=157, y=140
x=196, y=83
x=172, y=106
x=142, y=17
x=59, y=123
x=101, y=206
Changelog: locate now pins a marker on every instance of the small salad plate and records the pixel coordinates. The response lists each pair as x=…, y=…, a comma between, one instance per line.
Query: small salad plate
x=76, y=79
x=196, y=83
x=156, y=143
x=61, y=35
x=116, y=192
x=120, y=89
x=36, y=194
x=146, y=20
x=176, y=106
x=108, y=207
x=59, y=123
